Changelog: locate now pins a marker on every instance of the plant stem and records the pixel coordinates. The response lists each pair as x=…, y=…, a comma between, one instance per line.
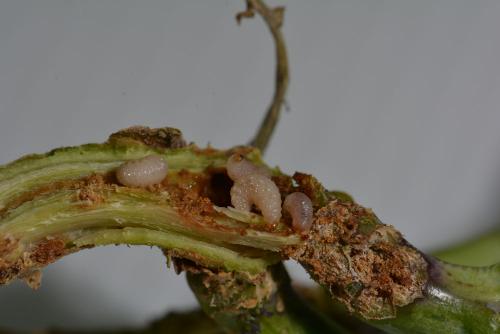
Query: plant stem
x=457, y=299
x=439, y=313
x=256, y=304
x=348, y=249
x=481, y=251
x=273, y=17
x=68, y=199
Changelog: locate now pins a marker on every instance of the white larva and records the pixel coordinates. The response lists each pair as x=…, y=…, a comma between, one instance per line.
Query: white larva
x=143, y=172
x=237, y=167
x=259, y=190
x=299, y=206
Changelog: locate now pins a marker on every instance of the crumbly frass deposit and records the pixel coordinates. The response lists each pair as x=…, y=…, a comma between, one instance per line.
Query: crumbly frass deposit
x=365, y=264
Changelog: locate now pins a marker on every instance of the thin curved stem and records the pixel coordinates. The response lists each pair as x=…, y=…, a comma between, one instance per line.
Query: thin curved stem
x=274, y=20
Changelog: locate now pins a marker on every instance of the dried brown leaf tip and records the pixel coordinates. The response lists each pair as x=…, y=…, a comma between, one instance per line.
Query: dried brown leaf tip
x=365, y=264
x=274, y=15
x=156, y=138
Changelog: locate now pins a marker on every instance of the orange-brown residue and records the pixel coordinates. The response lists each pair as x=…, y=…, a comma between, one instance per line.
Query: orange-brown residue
x=47, y=251
x=90, y=189
x=189, y=196
x=193, y=208
x=7, y=245
x=206, y=151
x=186, y=197
x=27, y=265
x=33, y=279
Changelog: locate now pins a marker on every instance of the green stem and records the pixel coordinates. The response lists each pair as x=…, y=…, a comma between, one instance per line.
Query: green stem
x=263, y=304
x=481, y=251
x=457, y=299
x=440, y=312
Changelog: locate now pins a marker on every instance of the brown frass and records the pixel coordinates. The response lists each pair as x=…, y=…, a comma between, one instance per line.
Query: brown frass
x=365, y=264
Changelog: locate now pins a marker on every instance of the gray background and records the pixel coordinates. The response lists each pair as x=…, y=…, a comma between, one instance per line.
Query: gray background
x=396, y=102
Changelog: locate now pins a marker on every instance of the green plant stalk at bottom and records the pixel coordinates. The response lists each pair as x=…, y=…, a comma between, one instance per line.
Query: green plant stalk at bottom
x=481, y=251
x=437, y=312
x=264, y=304
x=440, y=311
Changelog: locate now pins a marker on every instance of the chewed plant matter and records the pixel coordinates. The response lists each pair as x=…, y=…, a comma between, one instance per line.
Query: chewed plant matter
x=199, y=203
x=228, y=220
